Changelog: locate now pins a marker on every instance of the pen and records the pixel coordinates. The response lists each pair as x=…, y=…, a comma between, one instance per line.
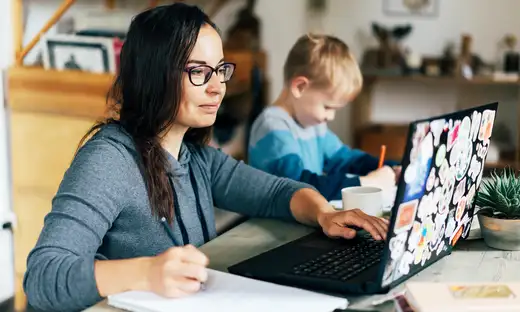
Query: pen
x=170, y=234
x=382, y=156
x=168, y=231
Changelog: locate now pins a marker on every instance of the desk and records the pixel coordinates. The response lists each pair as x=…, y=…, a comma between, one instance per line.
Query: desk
x=471, y=261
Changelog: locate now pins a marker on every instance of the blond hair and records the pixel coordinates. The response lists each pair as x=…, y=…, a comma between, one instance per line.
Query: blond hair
x=326, y=61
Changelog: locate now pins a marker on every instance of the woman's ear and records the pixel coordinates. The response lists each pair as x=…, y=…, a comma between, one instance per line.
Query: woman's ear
x=299, y=85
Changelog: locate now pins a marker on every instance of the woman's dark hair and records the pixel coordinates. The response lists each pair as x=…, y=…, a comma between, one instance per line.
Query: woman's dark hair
x=148, y=88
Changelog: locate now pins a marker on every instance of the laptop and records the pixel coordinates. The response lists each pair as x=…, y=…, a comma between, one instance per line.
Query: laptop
x=442, y=169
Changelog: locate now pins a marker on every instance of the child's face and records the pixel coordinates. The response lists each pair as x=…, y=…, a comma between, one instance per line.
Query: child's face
x=316, y=106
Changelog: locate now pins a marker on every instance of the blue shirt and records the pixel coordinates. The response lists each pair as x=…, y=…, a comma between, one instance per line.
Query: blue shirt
x=314, y=155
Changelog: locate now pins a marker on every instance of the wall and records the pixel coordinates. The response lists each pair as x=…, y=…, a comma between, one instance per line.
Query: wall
x=277, y=45
x=350, y=20
x=39, y=12
x=6, y=247
x=283, y=21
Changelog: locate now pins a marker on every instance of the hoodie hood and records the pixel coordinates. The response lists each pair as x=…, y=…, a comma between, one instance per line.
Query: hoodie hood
x=181, y=166
x=118, y=134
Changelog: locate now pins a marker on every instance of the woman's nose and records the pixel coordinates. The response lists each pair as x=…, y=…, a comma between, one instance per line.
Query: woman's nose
x=214, y=84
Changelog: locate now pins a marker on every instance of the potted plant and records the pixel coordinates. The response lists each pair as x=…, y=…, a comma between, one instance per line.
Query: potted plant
x=499, y=210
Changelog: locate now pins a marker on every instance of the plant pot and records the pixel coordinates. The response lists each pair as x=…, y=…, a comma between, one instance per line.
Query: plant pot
x=501, y=234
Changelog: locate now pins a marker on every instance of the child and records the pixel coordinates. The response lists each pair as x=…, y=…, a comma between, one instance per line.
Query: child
x=291, y=138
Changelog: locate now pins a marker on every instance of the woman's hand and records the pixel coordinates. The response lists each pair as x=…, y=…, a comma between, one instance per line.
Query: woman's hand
x=311, y=208
x=338, y=223
x=177, y=272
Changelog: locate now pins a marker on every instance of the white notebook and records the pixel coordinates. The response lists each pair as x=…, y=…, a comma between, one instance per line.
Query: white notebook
x=229, y=293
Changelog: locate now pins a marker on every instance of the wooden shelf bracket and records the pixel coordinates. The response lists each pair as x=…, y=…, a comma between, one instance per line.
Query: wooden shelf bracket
x=64, y=7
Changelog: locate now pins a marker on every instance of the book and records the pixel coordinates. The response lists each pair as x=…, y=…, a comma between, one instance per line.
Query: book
x=463, y=297
x=229, y=293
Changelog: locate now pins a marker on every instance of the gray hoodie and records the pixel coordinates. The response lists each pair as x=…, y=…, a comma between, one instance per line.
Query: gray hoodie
x=101, y=211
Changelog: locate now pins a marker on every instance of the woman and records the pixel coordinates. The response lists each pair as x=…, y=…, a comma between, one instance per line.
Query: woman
x=139, y=194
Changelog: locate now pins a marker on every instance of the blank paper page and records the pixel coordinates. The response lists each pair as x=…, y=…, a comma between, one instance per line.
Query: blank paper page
x=229, y=293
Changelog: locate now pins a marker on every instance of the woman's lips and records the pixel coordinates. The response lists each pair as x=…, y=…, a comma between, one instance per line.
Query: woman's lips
x=210, y=108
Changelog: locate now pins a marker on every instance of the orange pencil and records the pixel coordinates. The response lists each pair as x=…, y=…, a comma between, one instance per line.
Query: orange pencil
x=382, y=156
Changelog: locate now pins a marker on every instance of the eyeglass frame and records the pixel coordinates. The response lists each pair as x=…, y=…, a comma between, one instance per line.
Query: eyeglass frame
x=213, y=70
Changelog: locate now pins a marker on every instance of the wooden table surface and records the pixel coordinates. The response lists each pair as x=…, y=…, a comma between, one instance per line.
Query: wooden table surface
x=471, y=261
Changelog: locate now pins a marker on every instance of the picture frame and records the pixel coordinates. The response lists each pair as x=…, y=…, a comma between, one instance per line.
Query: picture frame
x=83, y=53
x=410, y=8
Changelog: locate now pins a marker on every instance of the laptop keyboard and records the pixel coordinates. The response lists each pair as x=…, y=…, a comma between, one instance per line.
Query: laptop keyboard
x=345, y=262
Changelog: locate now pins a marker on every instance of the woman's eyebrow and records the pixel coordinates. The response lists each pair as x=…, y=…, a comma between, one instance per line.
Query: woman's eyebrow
x=202, y=62
x=197, y=62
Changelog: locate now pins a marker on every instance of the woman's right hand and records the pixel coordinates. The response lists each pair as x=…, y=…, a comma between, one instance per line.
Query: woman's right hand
x=177, y=272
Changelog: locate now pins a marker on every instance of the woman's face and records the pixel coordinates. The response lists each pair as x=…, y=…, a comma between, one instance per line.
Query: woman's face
x=200, y=103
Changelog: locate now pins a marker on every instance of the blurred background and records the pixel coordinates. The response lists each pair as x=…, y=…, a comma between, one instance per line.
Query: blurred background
x=419, y=58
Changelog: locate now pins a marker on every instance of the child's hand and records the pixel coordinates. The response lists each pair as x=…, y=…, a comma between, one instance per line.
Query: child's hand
x=383, y=177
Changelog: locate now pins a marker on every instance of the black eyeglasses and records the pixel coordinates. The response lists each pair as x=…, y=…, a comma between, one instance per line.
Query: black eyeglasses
x=201, y=74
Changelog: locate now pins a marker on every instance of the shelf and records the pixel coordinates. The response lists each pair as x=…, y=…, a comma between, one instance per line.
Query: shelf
x=441, y=80
x=371, y=137
x=501, y=164
x=82, y=94
x=70, y=93
x=490, y=167
x=507, y=159
x=361, y=111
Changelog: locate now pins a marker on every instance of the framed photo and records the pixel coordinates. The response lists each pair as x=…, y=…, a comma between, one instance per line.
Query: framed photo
x=423, y=8
x=70, y=52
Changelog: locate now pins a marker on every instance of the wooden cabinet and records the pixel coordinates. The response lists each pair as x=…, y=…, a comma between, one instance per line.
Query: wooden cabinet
x=42, y=147
x=393, y=137
x=369, y=136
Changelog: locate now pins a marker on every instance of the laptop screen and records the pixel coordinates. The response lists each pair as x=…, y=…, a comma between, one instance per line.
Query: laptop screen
x=442, y=170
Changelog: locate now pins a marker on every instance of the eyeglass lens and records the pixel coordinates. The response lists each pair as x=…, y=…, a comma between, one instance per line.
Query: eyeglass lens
x=202, y=74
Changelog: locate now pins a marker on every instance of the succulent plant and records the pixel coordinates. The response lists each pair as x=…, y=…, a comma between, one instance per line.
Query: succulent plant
x=499, y=195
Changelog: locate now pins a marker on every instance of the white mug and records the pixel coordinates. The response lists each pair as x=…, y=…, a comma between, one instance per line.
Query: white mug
x=369, y=199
